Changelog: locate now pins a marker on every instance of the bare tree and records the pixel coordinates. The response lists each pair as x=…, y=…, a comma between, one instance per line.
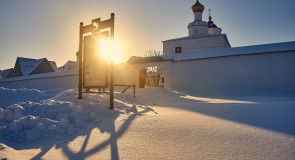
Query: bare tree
x=154, y=73
x=153, y=53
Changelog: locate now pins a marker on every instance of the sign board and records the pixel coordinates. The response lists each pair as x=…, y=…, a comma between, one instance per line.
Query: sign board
x=177, y=50
x=95, y=67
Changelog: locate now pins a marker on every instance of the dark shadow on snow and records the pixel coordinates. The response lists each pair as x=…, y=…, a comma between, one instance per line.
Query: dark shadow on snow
x=106, y=124
x=272, y=111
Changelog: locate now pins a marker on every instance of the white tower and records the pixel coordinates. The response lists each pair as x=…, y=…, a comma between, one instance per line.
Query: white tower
x=198, y=27
x=198, y=10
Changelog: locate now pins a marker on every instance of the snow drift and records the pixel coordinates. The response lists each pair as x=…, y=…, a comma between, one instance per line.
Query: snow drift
x=28, y=114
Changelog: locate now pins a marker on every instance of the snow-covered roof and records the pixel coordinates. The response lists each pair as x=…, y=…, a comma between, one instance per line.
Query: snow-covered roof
x=70, y=65
x=53, y=65
x=192, y=37
x=28, y=65
x=256, y=49
x=6, y=72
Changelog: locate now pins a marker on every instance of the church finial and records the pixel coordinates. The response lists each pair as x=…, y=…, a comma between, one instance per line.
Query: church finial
x=210, y=18
x=198, y=7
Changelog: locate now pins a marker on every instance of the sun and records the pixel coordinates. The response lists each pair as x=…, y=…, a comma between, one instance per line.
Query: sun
x=110, y=50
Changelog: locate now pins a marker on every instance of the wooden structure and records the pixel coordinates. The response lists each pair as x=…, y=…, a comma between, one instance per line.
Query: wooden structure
x=94, y=72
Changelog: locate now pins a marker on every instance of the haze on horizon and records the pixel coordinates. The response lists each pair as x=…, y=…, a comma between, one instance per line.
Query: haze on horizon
x=38, y=29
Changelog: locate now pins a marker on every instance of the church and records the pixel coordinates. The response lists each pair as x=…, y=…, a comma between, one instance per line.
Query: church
x=202, y=35
x=205, y=61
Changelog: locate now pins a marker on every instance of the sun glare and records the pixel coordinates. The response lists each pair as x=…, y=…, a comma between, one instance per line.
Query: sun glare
x=110, y=50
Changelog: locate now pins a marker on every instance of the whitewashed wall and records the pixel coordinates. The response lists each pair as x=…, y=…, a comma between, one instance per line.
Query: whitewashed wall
x=196, y=44
x=66, y=80
x=261, y=72
x=253, y=72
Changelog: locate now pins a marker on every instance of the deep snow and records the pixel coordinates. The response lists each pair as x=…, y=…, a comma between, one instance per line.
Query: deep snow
x=14, y=96
x=30, y=114
x=159, y=124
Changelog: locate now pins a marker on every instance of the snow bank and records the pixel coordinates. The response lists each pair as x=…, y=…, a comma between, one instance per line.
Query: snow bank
x=34, y=117
x=13, y=96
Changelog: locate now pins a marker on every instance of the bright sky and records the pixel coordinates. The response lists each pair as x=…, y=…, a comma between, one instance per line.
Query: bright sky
x=50, y=28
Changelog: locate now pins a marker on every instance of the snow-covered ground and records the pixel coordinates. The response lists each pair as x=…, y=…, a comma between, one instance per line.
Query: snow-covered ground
x=29, y=114
x=158, y=124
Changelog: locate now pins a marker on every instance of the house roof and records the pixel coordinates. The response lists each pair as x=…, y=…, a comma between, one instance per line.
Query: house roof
x=28, y=65
x=71, y=63
x=53, y=65
x=6, y=72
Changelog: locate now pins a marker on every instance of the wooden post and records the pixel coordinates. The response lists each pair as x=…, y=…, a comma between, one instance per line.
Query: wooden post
x=134, y=89
x=80, y=60
x=112, y=26
x=112, y=84
x=112, y=30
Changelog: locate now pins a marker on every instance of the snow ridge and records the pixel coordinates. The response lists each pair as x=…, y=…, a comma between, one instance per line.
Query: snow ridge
x=63, y=114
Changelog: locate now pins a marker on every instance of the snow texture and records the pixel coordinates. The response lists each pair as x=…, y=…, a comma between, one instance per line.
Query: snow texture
x=29, y=114
x=160, y=123
x=13, y=96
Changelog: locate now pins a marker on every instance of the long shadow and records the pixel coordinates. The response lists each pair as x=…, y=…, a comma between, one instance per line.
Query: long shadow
x=272, y=111
x=108, y=125
x=105, y=123
x=110, y=128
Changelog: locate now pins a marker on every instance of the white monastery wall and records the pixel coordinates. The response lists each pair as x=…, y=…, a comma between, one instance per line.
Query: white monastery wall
x=246, y=72
x=196, y=44
x=261, y=72
x=66, y=80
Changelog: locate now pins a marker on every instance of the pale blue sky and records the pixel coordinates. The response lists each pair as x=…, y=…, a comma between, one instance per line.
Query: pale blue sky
x=50, y=28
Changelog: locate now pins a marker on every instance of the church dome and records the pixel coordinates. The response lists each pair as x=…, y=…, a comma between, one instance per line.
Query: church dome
x=198, y=7
x=211, y=23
